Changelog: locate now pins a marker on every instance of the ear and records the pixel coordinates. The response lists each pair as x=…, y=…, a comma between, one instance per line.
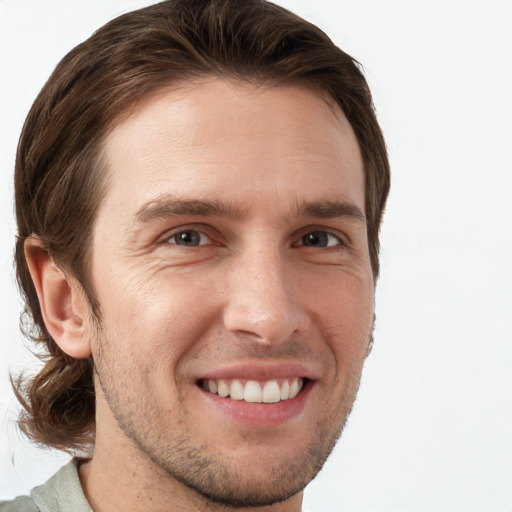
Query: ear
x=369, y=347
x=62, y=303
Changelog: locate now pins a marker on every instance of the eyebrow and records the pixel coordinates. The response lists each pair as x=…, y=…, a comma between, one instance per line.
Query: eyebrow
x=166, y=206
x=169, y=206
x=326, y=209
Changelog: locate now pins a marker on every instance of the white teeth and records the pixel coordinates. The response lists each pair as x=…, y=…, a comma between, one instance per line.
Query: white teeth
x=271, y=392
x=236, y=390
x=252, y=392
x=294, y=388
x=255, y=392
x=222, y=389
x=285, y=390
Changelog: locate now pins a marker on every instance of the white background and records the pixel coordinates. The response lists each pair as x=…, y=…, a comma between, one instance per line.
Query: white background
x=432, y=426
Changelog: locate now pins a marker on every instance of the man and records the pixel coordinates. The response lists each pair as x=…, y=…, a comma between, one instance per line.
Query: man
x=199, y=189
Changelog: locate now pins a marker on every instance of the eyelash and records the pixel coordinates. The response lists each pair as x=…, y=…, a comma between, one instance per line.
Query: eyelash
x=187, y=231
x=316, y=234
x=322, y=234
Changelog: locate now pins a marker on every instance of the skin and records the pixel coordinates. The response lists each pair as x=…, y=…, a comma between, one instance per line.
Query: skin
x=253, y=296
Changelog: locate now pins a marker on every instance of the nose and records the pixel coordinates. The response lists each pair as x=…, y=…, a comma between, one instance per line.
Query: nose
x=264, y=300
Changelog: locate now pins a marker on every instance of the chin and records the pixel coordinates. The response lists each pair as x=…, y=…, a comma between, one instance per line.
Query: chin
x=245, y=478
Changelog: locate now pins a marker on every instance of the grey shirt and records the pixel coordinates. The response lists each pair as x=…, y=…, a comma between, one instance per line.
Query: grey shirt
x=61, y=493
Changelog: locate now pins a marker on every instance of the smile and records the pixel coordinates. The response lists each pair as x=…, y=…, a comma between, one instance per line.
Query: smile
x=253, y=391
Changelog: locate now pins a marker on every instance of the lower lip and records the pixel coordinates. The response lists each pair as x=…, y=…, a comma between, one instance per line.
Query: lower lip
x=260, y=414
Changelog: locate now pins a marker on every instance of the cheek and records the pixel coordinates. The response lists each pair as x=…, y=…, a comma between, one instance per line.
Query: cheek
x=346, y=318
x=158, y=322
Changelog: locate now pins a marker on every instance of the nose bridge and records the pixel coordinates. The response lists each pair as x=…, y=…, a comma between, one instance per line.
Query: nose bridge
x=263, y=300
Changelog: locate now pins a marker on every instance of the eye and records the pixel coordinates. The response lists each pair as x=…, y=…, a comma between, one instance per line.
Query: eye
x=189, y=238
x=319, y=239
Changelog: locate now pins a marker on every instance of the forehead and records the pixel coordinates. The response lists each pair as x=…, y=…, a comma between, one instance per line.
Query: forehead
x=241, y=141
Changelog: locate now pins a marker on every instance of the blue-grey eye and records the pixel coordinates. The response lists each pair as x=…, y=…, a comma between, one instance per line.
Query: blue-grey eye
x=319, y=239
x=189, y=238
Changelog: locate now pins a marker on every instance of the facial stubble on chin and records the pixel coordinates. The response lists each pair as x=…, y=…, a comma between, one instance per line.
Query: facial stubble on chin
x=213, y=474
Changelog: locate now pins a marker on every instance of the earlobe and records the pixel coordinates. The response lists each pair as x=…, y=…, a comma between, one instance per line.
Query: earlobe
x=60, y=307
x=369, y=347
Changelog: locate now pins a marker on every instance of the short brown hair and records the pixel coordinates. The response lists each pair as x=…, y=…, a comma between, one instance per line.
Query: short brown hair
x=59, y=177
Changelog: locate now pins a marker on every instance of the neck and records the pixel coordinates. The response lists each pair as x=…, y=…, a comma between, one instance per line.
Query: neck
x=119, y=476
x=110, y=487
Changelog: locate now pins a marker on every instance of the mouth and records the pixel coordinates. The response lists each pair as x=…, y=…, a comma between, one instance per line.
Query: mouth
x=258, y=395
x=255, y=391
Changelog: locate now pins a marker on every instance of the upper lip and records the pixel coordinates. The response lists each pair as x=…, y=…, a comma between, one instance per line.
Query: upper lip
x=260, y=371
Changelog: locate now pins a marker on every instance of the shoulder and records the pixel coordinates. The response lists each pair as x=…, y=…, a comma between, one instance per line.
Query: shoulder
x=62, y=492
x=19, y=504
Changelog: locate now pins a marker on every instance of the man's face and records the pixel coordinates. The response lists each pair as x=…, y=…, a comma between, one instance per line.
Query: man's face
x=230, y=256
